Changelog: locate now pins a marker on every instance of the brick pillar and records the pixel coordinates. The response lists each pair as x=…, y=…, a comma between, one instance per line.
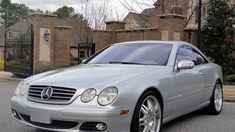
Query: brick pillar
x=62, y=45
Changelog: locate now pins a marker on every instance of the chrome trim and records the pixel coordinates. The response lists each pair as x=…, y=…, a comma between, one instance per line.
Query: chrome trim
x=60, y=95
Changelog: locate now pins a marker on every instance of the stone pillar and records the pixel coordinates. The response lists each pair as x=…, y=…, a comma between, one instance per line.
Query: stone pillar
x=115, y=25
x=62, y=45
x=52, y=49
x=171, y=27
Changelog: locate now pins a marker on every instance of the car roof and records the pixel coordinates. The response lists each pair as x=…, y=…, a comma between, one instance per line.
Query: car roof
x=154, y=41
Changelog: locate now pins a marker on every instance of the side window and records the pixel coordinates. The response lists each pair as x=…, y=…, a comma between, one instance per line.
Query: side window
x=184, y=53
x=187, y=53
x=199, y=58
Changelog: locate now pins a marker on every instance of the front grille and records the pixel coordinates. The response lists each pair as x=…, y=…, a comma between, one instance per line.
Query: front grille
x=55, y=124
x=59, y=95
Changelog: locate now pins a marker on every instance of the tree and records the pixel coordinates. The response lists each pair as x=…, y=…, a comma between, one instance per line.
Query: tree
x=218, y=33
x=10, y=13
x=96, y=13
x=64, y=12
x=68, y=12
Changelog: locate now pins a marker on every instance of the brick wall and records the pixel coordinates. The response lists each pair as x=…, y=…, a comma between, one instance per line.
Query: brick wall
x=114, y=25
x=102, y=38
x=61, y=47
x=42, y=21
x=170, y=27
x=60, y=37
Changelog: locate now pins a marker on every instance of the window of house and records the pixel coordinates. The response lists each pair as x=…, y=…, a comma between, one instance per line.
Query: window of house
x=177, y=36
x=165, y=35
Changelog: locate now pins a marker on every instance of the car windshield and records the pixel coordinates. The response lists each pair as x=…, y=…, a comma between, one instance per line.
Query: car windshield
x=142, y=54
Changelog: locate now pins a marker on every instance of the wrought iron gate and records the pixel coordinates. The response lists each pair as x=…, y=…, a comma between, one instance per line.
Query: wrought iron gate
x=18, y=53
x=85, y=50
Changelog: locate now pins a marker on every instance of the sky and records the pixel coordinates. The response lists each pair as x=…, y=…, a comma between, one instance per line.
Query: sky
x=119, y=6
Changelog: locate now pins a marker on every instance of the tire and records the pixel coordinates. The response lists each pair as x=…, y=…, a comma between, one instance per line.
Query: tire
x=147, y=116
x=216, y=102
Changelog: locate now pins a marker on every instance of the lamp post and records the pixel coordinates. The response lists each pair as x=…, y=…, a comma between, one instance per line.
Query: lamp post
x=199, y=24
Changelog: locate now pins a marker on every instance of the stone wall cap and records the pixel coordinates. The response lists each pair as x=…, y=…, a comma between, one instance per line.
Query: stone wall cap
x=99, y=30
x=172, y=15
x=126, y=30
x=66, y=27
x=110, y=22
x=132, y=30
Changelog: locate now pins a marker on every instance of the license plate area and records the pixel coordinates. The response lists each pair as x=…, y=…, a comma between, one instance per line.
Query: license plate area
x=40, y=116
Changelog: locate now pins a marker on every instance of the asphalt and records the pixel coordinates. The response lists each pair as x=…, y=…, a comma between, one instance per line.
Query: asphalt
x=229, y=90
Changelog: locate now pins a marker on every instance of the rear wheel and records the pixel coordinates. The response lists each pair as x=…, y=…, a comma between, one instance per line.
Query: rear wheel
x=216, y=102
x=148, y=114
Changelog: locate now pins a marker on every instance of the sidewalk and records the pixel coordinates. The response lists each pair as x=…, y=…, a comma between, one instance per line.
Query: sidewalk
x=229, y=93
x=229, y=90
x=8, y=75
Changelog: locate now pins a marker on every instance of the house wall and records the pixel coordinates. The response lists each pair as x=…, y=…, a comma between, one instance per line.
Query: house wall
x=167, y=7
x=131, y=22
x=171, y=28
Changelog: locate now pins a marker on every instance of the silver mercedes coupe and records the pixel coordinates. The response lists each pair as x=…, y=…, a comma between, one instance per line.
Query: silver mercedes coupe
x=126, y=87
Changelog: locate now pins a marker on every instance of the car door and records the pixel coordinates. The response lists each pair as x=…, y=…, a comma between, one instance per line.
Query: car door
x=187, y=84
x=205, y=70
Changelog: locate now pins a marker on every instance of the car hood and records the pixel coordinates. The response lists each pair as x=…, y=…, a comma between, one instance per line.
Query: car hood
x=90, y=76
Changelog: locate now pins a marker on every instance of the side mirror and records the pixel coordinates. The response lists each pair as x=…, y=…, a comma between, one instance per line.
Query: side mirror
x=185, y=64
x=84, y=61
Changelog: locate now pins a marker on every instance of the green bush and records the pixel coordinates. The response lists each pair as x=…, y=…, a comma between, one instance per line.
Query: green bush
x=230, y=78
x=1, y=64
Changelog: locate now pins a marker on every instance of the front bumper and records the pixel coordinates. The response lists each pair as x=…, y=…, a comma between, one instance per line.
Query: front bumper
x=68, y=118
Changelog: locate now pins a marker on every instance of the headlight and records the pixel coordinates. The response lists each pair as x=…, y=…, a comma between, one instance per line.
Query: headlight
x=88, y=95
x=21, y=89
x=107, y=96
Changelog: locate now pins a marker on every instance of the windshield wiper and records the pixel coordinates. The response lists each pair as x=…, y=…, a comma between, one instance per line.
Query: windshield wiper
x=121, y=62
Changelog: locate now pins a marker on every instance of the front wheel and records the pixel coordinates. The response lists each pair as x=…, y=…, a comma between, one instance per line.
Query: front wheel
x=216, y=102
x=148, y=114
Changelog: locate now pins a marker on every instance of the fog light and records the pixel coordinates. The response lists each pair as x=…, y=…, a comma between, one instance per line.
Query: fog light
x=101, y=126
x=16, y=115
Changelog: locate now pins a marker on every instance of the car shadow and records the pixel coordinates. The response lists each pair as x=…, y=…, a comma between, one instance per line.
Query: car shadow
x=40, y=130
x=182, y=120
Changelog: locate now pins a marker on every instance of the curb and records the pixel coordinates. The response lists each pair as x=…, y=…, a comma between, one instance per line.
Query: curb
x=229, y=98
x=12, y=79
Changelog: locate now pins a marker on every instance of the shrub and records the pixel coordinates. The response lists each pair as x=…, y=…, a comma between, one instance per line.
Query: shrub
x=1, y=64
x=230, y=78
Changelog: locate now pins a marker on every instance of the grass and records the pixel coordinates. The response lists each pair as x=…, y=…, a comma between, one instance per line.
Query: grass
x=1, y=64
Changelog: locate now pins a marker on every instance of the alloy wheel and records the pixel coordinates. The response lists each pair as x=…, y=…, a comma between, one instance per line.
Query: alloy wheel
x=218, y=97
x=150, y=115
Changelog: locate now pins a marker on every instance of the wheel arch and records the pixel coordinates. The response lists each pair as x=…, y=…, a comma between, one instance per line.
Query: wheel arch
x=157, y=92
x=219, y=80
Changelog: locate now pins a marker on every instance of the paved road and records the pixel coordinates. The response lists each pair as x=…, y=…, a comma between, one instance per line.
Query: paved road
x=195, y=122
